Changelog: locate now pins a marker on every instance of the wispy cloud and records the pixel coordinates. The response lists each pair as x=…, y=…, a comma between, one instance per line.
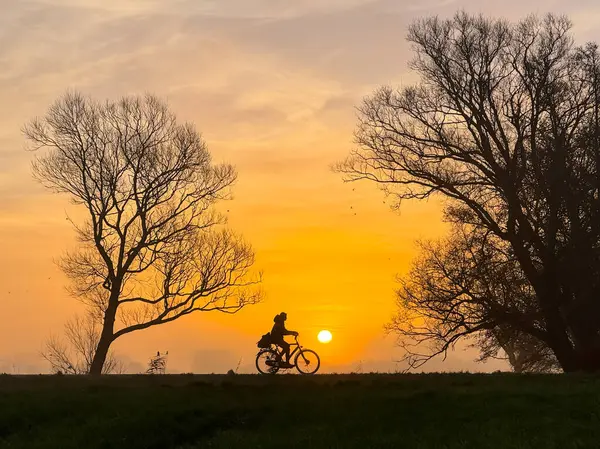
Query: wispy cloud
x=429, y=5
x=249, y=9
x=270, y=9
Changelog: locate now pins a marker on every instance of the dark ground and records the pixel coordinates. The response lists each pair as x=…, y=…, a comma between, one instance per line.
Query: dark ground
x=324, y=411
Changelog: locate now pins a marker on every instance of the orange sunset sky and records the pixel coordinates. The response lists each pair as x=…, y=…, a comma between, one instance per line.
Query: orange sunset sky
x=272, y=86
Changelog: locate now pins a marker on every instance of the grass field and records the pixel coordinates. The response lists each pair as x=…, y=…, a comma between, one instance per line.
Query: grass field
x=325, y=411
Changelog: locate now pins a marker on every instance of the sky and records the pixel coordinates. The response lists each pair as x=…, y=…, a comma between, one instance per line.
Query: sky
x=272, y=85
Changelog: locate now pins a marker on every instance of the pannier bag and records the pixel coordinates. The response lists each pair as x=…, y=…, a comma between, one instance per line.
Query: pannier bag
x=265, y=341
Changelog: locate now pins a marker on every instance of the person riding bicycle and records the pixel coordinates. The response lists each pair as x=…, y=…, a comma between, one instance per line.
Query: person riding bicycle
x=278, y=332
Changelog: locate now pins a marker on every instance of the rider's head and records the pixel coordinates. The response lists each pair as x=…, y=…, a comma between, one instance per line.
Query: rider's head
x=283, y=316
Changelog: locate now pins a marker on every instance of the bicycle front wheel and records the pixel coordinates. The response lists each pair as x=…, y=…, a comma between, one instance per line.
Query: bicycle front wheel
x=266, y=362
x=307, y=362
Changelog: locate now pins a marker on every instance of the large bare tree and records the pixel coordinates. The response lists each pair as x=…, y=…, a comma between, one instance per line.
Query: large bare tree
x=153, y=249
x=504, y=127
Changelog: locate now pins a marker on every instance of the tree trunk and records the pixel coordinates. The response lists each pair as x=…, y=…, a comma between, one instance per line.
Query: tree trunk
x=101, y=353
x=588, y=351
x=565, y=355
x=589, y=361
x=513, y=359
x=558, y=340
x=574, y=341
x=106, y=337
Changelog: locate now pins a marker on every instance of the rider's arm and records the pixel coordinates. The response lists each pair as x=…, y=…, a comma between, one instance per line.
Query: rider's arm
x=287, y=332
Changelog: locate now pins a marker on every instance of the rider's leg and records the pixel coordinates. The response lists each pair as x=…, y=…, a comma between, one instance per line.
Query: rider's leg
x=286, y=349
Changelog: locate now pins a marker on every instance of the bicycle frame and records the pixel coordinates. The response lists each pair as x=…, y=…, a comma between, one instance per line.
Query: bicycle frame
x=297, y=348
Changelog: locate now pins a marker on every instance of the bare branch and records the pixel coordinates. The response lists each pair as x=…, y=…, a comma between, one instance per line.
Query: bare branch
x=75, y=356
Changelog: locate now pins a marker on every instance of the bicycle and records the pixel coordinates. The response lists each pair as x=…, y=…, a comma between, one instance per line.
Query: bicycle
x=269, y=360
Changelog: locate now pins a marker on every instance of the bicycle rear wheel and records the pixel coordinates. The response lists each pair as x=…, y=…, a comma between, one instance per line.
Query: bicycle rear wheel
x=307, y=361
x=266, y=362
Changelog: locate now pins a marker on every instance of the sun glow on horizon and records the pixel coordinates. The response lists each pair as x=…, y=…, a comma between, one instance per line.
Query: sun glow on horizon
x=324, y=336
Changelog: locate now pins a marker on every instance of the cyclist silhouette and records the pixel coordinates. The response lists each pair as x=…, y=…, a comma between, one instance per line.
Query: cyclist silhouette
x=278, y=332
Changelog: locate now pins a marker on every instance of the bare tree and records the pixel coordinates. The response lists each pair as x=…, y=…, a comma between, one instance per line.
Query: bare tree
x=504, y=126
x=75, y=356
x=470, y=286
x=152, y=249
x=524, y=353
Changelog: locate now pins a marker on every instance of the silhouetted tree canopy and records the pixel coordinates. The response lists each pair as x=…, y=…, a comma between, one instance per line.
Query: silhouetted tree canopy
x=470, y=286
x=504, y=126
x=152, y=249
x=524, y=353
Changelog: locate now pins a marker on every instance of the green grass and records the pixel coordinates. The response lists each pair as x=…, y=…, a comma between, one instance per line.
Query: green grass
x=347, y=411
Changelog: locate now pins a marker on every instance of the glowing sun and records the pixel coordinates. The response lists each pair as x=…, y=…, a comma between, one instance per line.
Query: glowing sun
x=324, y=336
